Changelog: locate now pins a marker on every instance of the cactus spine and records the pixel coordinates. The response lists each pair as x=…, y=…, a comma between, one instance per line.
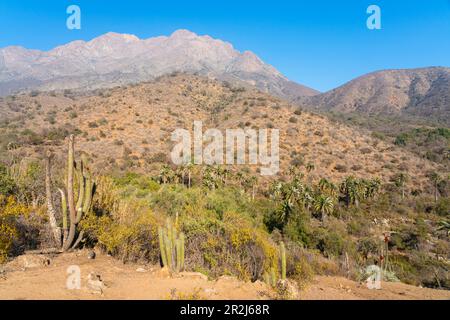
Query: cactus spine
x=74, y=205
x=171, y=245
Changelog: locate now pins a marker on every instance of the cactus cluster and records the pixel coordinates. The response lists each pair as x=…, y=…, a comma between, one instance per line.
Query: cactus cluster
x=74, y=203
x=271, y=278
x=171, y=244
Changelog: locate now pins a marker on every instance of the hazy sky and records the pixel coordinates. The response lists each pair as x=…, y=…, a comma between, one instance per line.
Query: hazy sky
x=321, y=44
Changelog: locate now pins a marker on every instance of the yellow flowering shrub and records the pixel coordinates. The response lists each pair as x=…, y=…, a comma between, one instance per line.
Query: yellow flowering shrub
x=10, y=210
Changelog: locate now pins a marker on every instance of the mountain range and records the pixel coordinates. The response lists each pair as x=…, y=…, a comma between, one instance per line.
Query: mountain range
x=115, y=59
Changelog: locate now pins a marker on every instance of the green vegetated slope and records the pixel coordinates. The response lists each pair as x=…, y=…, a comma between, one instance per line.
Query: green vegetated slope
x=428, y=139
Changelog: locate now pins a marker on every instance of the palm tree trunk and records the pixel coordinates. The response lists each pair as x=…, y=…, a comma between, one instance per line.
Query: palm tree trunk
x=324, y=216
x=435, y=192
x=189, y=179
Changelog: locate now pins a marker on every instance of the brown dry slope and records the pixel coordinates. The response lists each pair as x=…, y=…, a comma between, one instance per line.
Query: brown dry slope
x=133, y=281
x=421, y=92
x=130, y=128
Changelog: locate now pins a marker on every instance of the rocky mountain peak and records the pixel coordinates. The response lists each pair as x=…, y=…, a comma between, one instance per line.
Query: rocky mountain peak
x=113, y=59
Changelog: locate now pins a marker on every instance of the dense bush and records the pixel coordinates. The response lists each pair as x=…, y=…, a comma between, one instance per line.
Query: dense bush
x=7, y=184
x=224, y=233
x=442, y=207
x=234, y=229
x=19, y=227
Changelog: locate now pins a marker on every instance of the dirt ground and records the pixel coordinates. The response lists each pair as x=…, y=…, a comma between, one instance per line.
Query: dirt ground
x=45, y=277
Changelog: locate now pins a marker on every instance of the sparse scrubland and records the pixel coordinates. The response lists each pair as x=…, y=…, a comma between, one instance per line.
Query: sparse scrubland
x=343, y=200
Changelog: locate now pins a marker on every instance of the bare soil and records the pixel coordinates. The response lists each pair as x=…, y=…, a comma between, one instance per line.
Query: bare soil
x=22, y=280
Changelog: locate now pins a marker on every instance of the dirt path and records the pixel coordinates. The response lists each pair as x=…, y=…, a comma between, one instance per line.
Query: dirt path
x=338, y=288
x=131, y=281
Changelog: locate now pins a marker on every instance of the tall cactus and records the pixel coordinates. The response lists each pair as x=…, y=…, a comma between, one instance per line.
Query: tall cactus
x=283, y=261
x=171, y=245
x=74, y=204
x=271, y=278
x=50, y=208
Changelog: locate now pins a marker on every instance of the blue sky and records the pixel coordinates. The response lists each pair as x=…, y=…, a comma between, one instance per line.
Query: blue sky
x=322, y=44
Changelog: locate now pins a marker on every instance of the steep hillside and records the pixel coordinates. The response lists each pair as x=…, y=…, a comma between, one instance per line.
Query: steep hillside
x=422, y=93
x=130, y=127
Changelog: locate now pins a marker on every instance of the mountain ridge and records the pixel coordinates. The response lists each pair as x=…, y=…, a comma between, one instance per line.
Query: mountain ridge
x=422, y=92
x=115, y=59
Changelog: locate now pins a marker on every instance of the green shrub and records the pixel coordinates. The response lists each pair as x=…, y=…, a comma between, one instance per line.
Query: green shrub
x=7, y=184
x=442, y=207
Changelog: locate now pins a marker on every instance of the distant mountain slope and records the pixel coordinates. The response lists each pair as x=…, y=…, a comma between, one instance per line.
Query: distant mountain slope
x=131, y=127
x=114, y=59
x=421, y=92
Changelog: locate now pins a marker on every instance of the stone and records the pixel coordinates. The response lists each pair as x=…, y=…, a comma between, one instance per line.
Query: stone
x=227, y=279
x=163, y=273
x=210, y=291
x=30, y=261
x=287, y=289
x=194, y=275
x=95, y=283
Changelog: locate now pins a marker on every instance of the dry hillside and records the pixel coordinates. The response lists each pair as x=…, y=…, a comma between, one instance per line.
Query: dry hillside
x=422, y=93
x=130, y=127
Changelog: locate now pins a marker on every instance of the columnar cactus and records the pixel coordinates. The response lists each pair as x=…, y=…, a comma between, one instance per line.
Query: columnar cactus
x=283, y=261
x=171, y=245
x=74, y=204
x=271, y=278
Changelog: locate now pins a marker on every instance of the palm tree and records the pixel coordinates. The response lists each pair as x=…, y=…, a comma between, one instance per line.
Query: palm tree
x=294, y=173
x=291, y=194
x=436, y=179
x=327, y=187
x=253, y=180
x=226, y=174
x=351, y=189
x=179, y=174
x=324, y=205
x=210, y=178
x=188, y=170
x=400, y=181
x=240, y=176
x=166, y=174
x=223, y=173
x=286, y=193
x=372, y=187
